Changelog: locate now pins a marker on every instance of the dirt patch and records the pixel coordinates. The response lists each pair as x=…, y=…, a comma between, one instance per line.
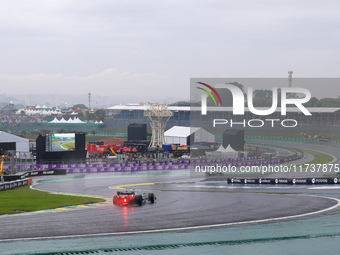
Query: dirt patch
x=112, y=140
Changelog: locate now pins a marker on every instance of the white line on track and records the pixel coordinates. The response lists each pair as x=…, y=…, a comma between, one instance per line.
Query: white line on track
x=251, y=186
x=325, y=187
x=185, y=228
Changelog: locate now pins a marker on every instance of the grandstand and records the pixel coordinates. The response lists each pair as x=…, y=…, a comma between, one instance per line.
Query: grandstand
x=8, y=109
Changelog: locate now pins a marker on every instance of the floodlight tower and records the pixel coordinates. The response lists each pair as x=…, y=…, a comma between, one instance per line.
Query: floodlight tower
x=89, y=101
x=290, y=78
x=158, y=116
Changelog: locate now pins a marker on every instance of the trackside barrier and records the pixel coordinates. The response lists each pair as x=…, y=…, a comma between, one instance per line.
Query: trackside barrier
x=56, y=166
x=126, y=169
x=161, y=167
x=219, y=138
x=132, y=167
x=25, y=175
x=15, y=184
x=286, y=181
x=289, y=139
x=298, y=154
x=147, y=164
x=53, y=169
x=280, y=138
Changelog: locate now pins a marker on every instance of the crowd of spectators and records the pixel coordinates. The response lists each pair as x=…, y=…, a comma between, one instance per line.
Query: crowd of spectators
x=14, y=120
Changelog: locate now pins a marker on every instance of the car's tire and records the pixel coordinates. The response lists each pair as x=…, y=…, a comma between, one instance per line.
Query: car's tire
x=115, y=200
x=151, y=198
x=139, y=200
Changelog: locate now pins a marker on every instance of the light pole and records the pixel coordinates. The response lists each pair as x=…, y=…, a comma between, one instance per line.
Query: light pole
x=89, y=101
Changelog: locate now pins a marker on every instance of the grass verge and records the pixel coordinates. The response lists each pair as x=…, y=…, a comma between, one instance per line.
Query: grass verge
x=24, y=199
x=319, y=157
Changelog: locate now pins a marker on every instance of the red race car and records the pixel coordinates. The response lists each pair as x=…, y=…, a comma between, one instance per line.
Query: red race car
x=133, y=198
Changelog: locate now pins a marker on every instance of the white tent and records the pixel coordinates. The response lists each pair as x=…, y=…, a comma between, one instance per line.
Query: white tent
x=222, y=152
x=54, y=121
x=221, y=149
x=21, y=144
x=76, y=120
x=69, y=121
x=181, y=135
x=229, y=149
x=19, y=111
x=45, y=112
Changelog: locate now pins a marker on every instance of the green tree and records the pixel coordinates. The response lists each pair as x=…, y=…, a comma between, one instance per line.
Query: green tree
x=263, y=93
x=100, y=115
x=80, y=115
x=180, y=103
x=312, y=102
x=328, y=102
x=89, y=115
x=79, y=106
x=263, y=98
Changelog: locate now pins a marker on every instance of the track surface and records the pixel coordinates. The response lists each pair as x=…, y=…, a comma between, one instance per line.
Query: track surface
x=189, y=203
x=177, y=207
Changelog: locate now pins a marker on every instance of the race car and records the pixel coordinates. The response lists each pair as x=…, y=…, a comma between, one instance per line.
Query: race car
x=133, y=198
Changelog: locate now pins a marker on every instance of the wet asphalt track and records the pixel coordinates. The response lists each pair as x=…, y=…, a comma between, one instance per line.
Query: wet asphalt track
x=179, y=205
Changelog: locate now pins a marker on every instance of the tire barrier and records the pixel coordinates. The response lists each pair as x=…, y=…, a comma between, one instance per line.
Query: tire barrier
x=284, y=181
x=14, y=177
x=15, y=184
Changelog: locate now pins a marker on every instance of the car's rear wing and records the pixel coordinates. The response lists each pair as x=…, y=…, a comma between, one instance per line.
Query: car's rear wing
x=125, y=193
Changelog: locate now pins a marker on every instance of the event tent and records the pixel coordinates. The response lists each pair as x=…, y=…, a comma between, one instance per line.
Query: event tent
x=222, y=152
x=185, y=135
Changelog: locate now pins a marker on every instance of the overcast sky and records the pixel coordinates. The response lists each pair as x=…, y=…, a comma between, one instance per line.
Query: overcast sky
x=140, y=50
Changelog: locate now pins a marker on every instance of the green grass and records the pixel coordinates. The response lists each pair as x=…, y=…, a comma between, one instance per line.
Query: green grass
x=319, y=157
x=24, y=199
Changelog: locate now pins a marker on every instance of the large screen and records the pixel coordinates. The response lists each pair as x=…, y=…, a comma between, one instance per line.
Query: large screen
x=60, y=142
